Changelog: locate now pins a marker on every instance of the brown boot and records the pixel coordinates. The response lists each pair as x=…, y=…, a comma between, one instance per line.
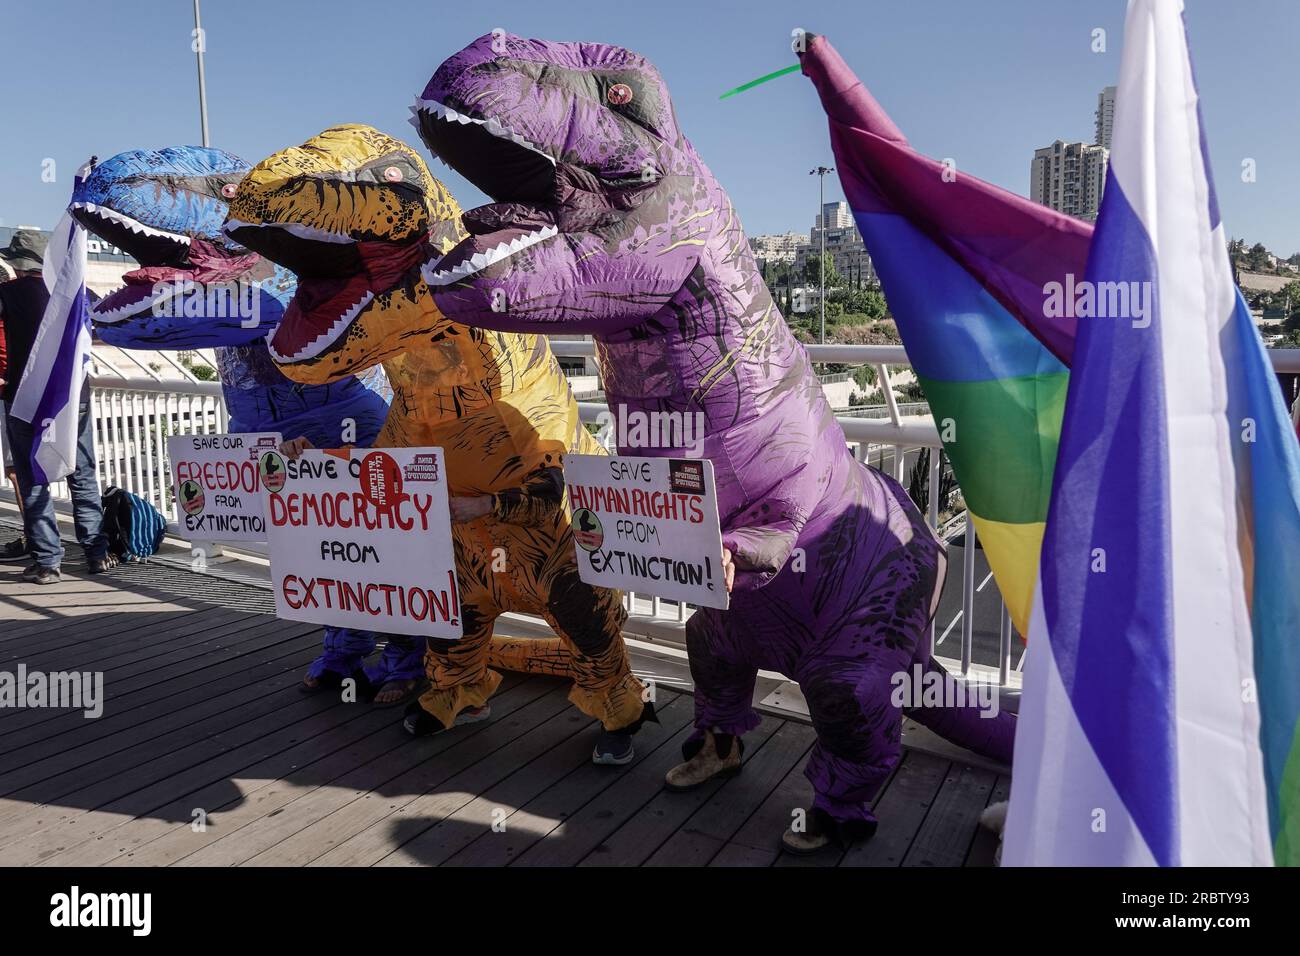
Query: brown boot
x=820, y=830
x=716, y=755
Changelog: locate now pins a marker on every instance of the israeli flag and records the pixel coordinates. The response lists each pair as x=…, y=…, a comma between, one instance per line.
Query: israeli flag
x=1162, y=686
x=49, y=392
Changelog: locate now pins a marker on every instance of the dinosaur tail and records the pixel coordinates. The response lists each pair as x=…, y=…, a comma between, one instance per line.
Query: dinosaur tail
x=987, y=731
x=531, y=655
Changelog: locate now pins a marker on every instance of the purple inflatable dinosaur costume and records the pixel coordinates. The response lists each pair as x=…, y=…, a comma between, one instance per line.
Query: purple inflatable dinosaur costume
x=607, y=222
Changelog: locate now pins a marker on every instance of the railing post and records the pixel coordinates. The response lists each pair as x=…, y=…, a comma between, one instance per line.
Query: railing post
x=115, y=460
x=145, y=436
x=1004, y=647
x=968, y=596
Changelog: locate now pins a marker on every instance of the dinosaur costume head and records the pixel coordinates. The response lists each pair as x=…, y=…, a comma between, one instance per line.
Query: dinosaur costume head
x=572, y=138
x=164, y=207
x=354, y=213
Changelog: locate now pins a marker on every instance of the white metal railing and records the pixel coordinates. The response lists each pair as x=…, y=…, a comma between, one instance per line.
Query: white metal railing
x=133, y=417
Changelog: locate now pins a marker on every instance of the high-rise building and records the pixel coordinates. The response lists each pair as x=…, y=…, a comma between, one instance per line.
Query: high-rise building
x=843, y=244
x=836, y=215
x=1105, y=116
x=1069, y=177
x=847, y=252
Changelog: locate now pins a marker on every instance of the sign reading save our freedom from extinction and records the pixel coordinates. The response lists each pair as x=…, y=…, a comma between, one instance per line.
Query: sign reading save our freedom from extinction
x=217, y=484
x=361, y=538
x=648, y=525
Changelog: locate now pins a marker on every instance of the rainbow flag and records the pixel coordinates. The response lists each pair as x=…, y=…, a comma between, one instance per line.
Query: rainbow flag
x=981, y=283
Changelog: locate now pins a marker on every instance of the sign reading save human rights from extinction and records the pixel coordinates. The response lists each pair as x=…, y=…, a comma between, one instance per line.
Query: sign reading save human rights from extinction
x=361, y=538
x=648, y=525
x=217, y=484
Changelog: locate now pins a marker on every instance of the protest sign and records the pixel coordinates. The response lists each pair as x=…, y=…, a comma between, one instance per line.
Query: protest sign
x=361, y=538
x=216, y=484
x=648, y=525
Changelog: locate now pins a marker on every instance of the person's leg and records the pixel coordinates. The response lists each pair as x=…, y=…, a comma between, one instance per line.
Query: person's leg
x=39, y=522
x=83, y=485
x=589, y=623
x=15, y=550
x=848, y=678
x=859, y=735
x=344, y=652
x=724, y=681
x=399, y=669
x=459, y=677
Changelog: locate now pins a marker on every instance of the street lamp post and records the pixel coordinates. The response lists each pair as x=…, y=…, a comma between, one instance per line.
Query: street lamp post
x=200, y=41
x=820, y=172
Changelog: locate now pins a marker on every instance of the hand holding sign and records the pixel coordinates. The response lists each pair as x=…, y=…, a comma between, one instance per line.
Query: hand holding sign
x=294, y=447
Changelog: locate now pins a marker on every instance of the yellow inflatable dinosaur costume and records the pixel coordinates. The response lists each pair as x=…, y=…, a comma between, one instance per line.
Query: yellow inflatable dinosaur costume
x=357, y=214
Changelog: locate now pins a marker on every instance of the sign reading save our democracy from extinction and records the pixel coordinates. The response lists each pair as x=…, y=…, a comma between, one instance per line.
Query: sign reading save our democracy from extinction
x=648, y=525
x=217, y=484
x=361, y=538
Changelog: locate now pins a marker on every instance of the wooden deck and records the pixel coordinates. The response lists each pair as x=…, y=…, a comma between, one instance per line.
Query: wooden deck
x=202, y=714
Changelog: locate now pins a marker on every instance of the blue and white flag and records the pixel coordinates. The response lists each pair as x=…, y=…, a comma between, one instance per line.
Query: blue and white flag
x=49, y=392
x=1163, y=680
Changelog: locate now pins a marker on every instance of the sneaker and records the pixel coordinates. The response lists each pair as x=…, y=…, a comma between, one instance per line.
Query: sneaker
x=47, y=576
x=30, y=572
x=418, y=722
x=718, y=755
x=472, y=715
x=613, y=748
x=15, y=550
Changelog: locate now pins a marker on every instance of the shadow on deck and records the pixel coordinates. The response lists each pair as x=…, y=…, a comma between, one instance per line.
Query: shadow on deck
x=202, y=719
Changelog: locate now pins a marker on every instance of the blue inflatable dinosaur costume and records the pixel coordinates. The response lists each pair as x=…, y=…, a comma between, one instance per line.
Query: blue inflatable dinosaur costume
x=165, y=208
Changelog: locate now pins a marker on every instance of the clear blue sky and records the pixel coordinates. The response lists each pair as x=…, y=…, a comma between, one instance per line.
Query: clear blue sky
x=981, y=82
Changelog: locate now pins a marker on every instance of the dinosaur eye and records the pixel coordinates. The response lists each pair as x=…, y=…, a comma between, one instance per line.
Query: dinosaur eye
x=619, y=94
x=393, y=174
x=229, y=190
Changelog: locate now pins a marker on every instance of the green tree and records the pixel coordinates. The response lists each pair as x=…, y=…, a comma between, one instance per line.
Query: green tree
x=1287, y=299
x=812, y=272
x=868, y=303
x=1257, y=258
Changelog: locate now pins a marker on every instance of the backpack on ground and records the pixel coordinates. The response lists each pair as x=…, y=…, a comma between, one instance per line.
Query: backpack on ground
x=134, y=528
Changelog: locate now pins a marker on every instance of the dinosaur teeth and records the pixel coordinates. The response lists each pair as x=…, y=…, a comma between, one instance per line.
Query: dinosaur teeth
x=492, y=125
x=105, y=316
x=326, y=338
x=302, y=230
x=134, y=225
x=481, y=260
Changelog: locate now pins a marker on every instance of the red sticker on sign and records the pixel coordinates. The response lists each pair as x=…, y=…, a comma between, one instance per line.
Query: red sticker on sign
x=381, y=479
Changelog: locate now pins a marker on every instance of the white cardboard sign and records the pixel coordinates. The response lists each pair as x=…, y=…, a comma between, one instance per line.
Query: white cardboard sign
x=648, y=525
x=361, y=538
x=217, y=484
